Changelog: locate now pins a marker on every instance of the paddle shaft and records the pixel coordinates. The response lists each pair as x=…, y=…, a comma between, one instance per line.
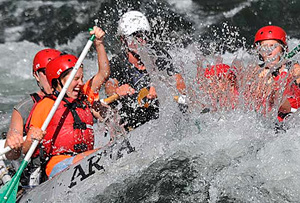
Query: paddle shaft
x=49, y=117
x=110, y=99
x=60, y=97
x=4, y=151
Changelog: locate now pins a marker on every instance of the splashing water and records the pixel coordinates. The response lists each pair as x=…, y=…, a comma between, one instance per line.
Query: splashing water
x=230, y=154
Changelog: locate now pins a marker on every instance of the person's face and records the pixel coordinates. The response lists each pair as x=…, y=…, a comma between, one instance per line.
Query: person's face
x=135, y=40
x=76, y=84
x=271, y=51
x=40, y=76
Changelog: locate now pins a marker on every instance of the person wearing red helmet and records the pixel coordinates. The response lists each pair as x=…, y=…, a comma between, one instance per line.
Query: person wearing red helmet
x=70, y=132
x=270, y=41
x=40, y=61
x=272, y=45
x=22, y=111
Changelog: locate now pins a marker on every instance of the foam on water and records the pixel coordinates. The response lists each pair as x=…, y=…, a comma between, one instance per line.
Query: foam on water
x=229, y=155
x=240, y=156
x=208, y=157
x=232, y=155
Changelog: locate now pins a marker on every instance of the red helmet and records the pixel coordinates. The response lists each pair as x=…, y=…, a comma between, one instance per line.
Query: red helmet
x=270, y=32
x=219, y=70
x=43, y=57
x=59, y=65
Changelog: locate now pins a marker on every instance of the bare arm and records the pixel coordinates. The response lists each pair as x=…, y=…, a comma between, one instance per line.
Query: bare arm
x=180, y=85
x=15, y=136
x=286, y=105
x=103, y=63
x=296, y=73
x=110, y=86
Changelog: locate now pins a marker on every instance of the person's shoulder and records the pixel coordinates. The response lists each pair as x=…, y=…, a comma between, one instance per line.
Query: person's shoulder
x=27, y=101
x=43, y=107
x=295, y=68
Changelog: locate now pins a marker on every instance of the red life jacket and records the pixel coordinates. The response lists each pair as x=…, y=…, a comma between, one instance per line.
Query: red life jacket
x=279, y=79
x=70, y=130
x=292, y=92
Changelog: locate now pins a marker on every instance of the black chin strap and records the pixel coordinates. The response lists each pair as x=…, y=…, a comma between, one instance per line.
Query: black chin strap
x=261, y=61
x=275, y=73
x=56, y=92
x=60, y=83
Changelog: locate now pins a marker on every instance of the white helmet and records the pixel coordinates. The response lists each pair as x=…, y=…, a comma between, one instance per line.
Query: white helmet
x=131, y=22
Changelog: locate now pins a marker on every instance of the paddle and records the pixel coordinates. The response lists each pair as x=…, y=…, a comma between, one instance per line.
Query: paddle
x=110, y=99
x=292, y=53
x=107, y=100
x=4, y=151
x=141, y=95
x=9, y=191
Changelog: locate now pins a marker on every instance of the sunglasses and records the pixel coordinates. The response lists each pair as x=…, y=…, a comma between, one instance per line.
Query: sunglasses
x=139, y=34
x=268, y=49
x=135, y=37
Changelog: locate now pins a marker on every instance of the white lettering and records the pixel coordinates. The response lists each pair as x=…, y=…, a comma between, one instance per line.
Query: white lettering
x=59, y=72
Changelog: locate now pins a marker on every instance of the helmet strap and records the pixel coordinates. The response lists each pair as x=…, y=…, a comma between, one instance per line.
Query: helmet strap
x=56, y=93
x=60, y=83
x=261, y=61
x=124, y=42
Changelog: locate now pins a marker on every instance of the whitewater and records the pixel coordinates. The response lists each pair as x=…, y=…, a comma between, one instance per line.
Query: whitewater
x=225, y=156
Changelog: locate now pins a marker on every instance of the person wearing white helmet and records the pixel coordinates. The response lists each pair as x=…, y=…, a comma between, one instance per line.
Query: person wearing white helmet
x=131, y=22
x=129, y=77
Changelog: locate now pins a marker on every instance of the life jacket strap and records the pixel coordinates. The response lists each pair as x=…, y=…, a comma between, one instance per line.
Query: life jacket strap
x=35, y=97
x=78, y=124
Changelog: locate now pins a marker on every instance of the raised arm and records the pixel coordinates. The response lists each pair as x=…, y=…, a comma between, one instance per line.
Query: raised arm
x=103, y=63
